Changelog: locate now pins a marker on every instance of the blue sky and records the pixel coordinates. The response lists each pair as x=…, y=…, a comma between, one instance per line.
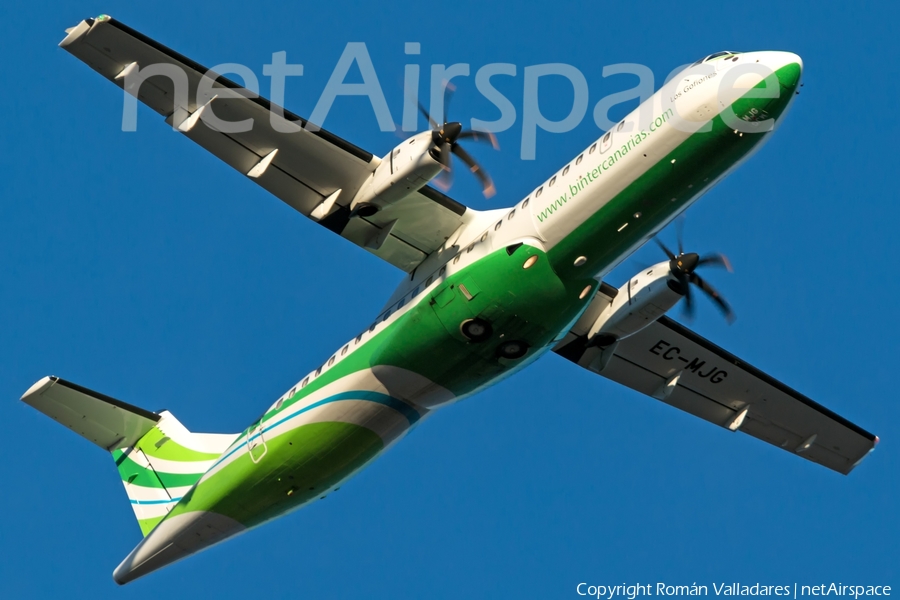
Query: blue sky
x=140, y=266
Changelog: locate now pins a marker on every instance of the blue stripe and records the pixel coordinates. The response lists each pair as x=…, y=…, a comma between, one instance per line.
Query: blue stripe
x=155, y=501
x=411, y=414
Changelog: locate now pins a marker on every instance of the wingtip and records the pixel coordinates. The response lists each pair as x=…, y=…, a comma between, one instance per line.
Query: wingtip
x=864, y=456
x=38, y=387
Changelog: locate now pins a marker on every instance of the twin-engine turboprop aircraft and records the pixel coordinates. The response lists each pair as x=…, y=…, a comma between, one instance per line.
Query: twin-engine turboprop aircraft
x=488, y=292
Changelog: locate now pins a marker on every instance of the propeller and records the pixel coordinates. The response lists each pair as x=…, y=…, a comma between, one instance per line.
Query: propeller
x=684, y=265
x=446, y=142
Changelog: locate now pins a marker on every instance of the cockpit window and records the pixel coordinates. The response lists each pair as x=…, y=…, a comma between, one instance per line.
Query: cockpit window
x=715, y=55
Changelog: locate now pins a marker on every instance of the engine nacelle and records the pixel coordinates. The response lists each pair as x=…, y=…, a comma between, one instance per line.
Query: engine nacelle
x=406, y=169
x=646, y=297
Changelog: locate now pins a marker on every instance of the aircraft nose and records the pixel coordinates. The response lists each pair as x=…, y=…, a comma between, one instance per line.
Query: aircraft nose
x=789, y=68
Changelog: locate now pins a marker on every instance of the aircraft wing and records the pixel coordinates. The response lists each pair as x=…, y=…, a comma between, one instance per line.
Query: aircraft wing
x=310, y=164
x=673, y=364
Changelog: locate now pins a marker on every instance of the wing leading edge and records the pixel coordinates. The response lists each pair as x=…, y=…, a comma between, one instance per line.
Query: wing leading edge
x=312, y=170
x=671, y=363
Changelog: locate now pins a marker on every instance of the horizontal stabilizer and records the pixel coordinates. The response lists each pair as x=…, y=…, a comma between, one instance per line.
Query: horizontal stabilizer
x=105, y=421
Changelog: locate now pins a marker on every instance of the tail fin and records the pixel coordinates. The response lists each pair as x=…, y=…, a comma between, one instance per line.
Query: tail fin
x=158, y=459
x=163, y=465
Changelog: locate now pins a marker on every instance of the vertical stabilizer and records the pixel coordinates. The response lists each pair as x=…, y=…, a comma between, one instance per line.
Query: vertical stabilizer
x=161, y=467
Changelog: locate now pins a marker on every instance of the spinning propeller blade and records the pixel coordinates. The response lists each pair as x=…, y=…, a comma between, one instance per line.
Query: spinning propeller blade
x=446, y=143
x=683, y=267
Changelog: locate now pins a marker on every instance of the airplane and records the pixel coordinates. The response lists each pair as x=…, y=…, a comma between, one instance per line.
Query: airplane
x=484, y=293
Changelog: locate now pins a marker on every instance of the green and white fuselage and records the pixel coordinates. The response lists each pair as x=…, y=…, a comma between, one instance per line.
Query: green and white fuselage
x=578, y=225
x=529, y=271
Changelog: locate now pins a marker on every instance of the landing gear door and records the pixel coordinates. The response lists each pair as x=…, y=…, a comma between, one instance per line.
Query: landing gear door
x=256, y=443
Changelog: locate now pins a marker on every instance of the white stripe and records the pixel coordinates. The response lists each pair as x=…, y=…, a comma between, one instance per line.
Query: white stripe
x=385, y=421
x=142, y=493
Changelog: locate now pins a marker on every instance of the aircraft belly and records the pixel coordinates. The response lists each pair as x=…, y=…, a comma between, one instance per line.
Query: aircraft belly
x=530, y=304
x=300, y=465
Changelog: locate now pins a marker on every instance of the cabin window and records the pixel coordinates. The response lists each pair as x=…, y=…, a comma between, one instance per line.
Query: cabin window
x=292, y=392
x=319, y=371
x=428, y=281
x=279, y=403
x=305, y=381
x=591, y=151
x=372, y=328
x=344, y=351
x=552, y=181
x=331, y=361
x=539, y=192
x=484, y=236
x=497, y=226
x=621, y=125
x=512, y=213
x=443, y=270
x=401, y=303
x=606, y=142
x=358, y=338
x=471, y=246
x=456, y=258
x=566, y=170
x=386, y=316
x=415, y=292
x=524, y=204
x=579, y=159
